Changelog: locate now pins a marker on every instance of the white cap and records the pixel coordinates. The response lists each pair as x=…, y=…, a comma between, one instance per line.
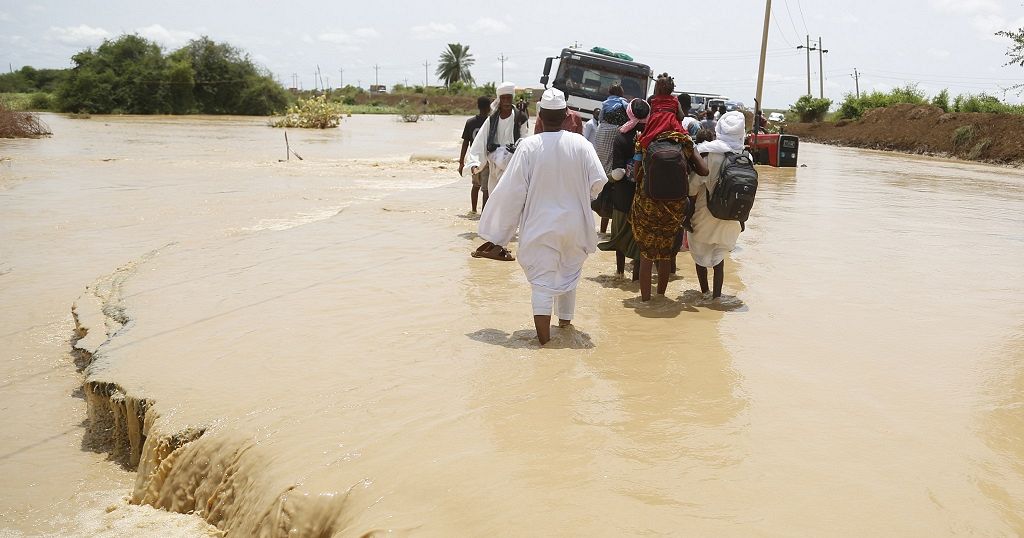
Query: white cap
x=553, y=99
x=506, y=88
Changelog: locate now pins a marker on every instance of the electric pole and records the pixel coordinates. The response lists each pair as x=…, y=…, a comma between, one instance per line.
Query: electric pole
x=576, y=44
x=426, y=65
x=856, y=81
x=502, y=59
x=341, y=78
x=760, y=70
x=376, y=77
x=809, y=49
x=821, y=69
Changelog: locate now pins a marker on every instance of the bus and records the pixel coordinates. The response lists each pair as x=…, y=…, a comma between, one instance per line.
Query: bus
x=585, y=78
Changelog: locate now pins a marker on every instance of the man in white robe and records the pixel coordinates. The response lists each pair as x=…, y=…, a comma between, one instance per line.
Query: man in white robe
x=489, y=150
x=546, y=193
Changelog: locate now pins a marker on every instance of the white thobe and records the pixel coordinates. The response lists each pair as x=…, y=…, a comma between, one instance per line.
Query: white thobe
x=479, y=156
x=712, y=239
x=546, y=193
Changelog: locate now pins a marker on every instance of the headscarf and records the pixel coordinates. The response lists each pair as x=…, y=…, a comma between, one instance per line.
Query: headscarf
x=637, y=111
x=731, y=130
x=505, y=88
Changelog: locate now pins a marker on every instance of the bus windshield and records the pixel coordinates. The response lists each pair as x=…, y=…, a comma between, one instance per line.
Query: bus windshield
x=592, y=81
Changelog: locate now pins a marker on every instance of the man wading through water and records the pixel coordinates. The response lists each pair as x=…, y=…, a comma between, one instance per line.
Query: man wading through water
x=546, y=193
x=469, y=132
x=492, y=146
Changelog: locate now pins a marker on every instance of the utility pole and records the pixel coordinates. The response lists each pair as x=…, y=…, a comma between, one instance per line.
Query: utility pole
x=426, y=65
x=856, y=81
x=376, y=76
x=328, y=79
x=341, y=78
x=760, y=71
x=576, y=44
x=809, y=49
x=502, y=59
x=821, y=69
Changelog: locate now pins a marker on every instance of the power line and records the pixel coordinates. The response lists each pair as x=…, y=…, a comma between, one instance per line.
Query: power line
x=802, y=19
x=778, y=29
x=795, y=31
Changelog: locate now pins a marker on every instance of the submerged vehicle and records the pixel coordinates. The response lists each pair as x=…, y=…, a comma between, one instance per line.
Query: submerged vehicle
x=585, y=77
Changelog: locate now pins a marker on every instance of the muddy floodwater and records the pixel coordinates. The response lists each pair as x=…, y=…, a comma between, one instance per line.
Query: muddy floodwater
x=196, y=338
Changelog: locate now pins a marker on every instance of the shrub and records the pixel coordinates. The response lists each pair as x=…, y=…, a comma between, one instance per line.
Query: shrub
x=942, y=100
x=17, y=124
x=854, y=107
x=962, y=136
x=315, y=113
x=809, y=109
x=978, y=149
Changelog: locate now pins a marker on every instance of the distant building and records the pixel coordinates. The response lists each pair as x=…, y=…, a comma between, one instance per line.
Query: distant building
x=378, y=88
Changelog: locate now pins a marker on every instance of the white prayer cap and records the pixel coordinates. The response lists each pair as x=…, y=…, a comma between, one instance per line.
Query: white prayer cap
x=553, y=99
x=506, y=88
x=731, y=128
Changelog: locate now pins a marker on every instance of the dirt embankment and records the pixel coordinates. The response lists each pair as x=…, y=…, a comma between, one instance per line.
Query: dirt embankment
x=995, y=138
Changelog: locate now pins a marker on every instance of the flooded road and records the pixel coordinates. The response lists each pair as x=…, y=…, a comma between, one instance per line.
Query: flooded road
x=314, y=350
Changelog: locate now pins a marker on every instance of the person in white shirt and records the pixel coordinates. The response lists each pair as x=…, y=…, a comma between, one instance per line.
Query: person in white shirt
x=492, y=146
x=546, y=193
x=590, y=128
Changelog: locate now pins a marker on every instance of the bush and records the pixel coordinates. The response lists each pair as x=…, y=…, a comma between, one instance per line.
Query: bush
x=962, y=136
x=131, y=75
x=315, y=113
x=17, y=124
x=809, y=109
x=854, y=107
x=978, y=149
x=984, y=103
x=942, y=100
x=40, y=101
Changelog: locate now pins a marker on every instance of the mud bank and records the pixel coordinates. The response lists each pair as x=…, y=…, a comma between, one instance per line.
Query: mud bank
x=926, y=130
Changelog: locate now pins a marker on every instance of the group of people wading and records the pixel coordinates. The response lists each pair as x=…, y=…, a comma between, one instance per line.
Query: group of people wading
x=638, y=166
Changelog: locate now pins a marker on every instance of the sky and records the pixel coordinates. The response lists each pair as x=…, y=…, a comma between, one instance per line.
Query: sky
x=708, y=47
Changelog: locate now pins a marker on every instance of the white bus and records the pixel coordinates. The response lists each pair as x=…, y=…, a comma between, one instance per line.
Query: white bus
x=585, y=77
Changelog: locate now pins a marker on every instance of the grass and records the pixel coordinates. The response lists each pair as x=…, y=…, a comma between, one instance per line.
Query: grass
x=963, y=136
x=16, y=101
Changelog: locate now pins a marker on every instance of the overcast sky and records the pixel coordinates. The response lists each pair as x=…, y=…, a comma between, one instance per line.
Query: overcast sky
x=711, y=48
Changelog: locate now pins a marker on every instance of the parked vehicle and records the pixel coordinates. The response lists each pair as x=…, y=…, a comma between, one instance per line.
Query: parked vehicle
x=586, y=76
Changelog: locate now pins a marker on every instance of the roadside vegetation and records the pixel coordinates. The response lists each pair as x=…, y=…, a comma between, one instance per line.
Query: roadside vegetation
x=20, y=124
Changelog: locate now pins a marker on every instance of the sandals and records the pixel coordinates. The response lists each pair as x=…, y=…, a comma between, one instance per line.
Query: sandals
x=494, y=252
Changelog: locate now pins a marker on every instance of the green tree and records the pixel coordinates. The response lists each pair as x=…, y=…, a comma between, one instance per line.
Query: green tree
x=225, y=81
x=810, y=109
x=942, y=100
x=454, y=63
x=124, y=75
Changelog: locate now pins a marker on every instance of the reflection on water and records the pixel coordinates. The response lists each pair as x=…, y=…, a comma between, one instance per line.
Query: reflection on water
x=354, y=369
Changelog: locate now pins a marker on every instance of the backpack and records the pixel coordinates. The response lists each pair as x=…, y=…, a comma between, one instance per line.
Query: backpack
x=734, y=192
x=665, y=171
x=520, y=119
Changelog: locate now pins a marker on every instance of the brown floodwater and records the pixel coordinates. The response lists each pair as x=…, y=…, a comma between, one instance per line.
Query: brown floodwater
x=307, y=347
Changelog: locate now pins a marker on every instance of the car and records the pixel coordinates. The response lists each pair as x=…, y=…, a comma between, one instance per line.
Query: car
x=776, y=117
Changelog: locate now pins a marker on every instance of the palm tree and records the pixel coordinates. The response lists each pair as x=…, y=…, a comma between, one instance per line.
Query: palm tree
x=453, y=66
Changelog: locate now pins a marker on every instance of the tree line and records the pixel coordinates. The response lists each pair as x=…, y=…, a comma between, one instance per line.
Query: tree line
x=132, y=75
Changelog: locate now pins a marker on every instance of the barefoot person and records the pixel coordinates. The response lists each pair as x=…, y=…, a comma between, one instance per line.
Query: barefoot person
x=469, y=132
x=504, y=127
x=711, y=238
x=546, y=193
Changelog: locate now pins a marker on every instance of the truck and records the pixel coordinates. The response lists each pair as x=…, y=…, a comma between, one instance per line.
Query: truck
x=585, y=78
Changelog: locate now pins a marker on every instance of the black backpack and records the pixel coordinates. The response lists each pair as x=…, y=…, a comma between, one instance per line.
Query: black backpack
x=734, y=192
x=665, y=171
